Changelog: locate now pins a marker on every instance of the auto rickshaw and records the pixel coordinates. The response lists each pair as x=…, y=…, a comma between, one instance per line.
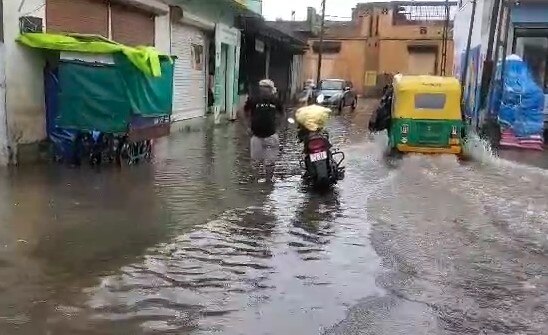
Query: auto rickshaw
x=426, y=115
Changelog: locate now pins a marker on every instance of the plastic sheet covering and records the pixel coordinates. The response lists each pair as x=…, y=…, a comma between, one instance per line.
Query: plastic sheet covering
x=62, y=139
x=92, y=97
x=148, y=96
x=313, y=117
x=520, y=99
x=146, y=59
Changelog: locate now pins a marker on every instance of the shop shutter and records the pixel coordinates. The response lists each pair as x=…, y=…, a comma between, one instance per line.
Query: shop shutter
x=77, y=16
x=189, y=80
x=132, y=26
x=422, y=63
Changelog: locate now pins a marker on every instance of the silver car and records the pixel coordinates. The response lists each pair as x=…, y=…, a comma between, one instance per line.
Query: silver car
x=338, y=93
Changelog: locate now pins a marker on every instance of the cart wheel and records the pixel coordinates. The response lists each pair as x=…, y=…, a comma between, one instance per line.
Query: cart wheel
x=148, y=150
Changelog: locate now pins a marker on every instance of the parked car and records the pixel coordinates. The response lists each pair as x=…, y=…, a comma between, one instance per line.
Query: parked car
x=338, y=93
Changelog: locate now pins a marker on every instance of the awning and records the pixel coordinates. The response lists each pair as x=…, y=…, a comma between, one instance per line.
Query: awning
x=531, y=15
x=260, y=28
x=146, y=59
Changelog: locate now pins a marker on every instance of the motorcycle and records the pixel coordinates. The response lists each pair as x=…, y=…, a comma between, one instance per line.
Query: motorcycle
x=322, y=164
x=306, y=97
x=381, y=118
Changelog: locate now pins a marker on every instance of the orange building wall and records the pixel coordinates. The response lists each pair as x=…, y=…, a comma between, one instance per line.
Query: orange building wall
x=348, y=64
x=377, y=46
x=381, y=25
x=387, y=30
x=395, y=55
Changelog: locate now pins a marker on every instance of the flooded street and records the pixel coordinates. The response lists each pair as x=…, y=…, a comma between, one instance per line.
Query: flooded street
x=192, y=244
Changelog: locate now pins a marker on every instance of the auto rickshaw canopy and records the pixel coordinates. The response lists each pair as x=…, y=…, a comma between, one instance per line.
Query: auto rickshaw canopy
x=426, y=98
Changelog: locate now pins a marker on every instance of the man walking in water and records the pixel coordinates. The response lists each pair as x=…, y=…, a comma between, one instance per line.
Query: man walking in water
x=263, y=113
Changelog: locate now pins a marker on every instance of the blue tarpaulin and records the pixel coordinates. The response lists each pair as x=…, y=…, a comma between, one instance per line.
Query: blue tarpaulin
x=519, y=100
x=62, y=139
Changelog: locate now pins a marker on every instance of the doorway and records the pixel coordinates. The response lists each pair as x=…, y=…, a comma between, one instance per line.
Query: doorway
x=223, y=78
x=422, y=60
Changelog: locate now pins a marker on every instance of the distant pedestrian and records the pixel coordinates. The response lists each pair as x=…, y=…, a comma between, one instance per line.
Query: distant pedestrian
x=264, y=112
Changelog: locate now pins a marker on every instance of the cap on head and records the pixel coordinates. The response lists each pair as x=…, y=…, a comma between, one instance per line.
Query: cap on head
x=266, y=83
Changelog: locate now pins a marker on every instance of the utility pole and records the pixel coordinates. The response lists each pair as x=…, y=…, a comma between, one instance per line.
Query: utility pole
x=445, y=41
x=508, y=7
x=496, y=17
x=464, y=77
x=320, y=50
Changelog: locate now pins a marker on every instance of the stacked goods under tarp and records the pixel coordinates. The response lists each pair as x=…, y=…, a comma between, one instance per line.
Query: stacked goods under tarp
x=103, y=86
x=520, y=104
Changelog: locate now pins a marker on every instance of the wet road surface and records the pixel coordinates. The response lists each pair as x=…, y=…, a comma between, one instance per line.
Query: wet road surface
x=192, y=244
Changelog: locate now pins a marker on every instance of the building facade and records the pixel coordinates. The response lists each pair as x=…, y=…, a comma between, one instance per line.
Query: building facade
x=382, y=39
x=526, y=36
x=268, y=52
x=201, y=35
x=133, y=22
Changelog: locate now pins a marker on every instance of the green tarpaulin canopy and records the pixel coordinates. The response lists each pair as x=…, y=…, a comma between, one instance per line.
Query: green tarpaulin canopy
x=148, y=96
x=92, y=97
x=146, y=59
x=104, y=97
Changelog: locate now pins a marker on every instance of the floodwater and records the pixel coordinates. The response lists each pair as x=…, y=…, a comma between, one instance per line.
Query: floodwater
x=193, y=244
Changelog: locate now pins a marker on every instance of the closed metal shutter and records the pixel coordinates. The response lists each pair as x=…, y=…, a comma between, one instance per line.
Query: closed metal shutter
x=77, y=16
x=132, y=26
x=189, y=82
x=422, y=63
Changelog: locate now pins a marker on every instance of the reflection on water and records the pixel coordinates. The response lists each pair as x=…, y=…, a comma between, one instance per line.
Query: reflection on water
x=246, y=268
x=191, y=244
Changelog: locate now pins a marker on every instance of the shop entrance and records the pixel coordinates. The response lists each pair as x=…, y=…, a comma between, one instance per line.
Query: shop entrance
x=531, y=44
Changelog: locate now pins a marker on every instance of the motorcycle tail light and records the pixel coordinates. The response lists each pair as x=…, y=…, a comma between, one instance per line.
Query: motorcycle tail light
x=317, y=145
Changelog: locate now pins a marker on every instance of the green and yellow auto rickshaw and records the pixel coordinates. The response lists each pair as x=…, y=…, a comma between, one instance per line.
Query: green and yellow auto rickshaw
x=426, y=115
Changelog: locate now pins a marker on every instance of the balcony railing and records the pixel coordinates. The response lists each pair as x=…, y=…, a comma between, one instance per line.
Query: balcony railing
x=422, y=13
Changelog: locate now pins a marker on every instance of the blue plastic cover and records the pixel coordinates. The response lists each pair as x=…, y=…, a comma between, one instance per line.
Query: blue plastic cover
x=62, y=139
x=521, y=100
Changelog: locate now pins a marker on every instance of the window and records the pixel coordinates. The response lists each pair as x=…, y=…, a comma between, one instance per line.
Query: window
x=197, y=56
x=332, y=85
x=430, y=101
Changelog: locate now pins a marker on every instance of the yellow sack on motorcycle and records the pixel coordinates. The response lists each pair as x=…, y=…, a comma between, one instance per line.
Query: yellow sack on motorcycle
x=313, y=118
